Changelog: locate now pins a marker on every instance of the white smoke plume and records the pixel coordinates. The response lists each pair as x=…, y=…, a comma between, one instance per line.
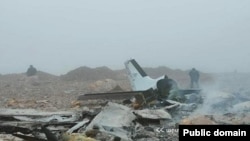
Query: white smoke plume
x=229, y=94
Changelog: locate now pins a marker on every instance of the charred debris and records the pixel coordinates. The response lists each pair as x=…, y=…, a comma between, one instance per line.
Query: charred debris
x=123, y=116
x=137, y=115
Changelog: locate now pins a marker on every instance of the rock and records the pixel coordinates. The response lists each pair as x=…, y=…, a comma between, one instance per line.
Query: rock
x=198, y=120
x=102, y=85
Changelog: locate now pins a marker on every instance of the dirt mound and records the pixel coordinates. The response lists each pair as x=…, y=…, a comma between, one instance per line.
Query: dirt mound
x=21, y=76
x=94, y=74
x=21, y=87
x=90, y=74
x=44, y=76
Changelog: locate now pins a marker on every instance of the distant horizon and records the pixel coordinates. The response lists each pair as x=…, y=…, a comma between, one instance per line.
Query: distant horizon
x=122, y=69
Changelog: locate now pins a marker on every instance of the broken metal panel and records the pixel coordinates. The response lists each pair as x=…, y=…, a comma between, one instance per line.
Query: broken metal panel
x=29, y=122
x=58, y=118
x=121, y=116
x=28, y=119
x=32, y=112
x=28, y=138
x=78, y=125
x=153, y=114
x=113, y=117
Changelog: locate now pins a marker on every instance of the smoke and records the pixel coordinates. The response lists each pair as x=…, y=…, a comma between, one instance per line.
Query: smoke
x=230, y=93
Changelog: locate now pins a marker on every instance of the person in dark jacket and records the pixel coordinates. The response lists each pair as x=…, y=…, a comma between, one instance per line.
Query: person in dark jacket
x=165, y=85
x=31, y=71
x=194, y=77
x=168, y=89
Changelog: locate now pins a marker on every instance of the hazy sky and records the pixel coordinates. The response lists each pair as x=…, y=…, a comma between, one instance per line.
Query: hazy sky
x=57, y=36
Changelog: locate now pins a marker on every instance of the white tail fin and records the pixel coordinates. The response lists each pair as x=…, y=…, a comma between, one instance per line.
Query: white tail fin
x=139, y=80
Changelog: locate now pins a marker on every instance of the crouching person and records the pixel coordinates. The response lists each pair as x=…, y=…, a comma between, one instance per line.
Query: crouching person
x=168, y=89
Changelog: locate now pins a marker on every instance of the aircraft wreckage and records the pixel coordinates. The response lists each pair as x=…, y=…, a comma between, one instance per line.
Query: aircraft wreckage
x=137, y=115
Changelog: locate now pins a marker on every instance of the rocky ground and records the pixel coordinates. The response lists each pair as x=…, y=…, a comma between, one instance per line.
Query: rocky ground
x=50, y=93
x=20, y=91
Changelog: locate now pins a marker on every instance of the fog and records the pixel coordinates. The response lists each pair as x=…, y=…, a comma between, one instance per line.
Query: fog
x=60, y=35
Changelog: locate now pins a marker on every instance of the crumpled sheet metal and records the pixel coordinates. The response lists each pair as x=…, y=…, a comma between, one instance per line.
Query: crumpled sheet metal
x=112, y=119
x=153, y=114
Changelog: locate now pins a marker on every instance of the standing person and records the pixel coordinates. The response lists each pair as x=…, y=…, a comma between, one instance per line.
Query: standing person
x=194, y=76
x=31, y=71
